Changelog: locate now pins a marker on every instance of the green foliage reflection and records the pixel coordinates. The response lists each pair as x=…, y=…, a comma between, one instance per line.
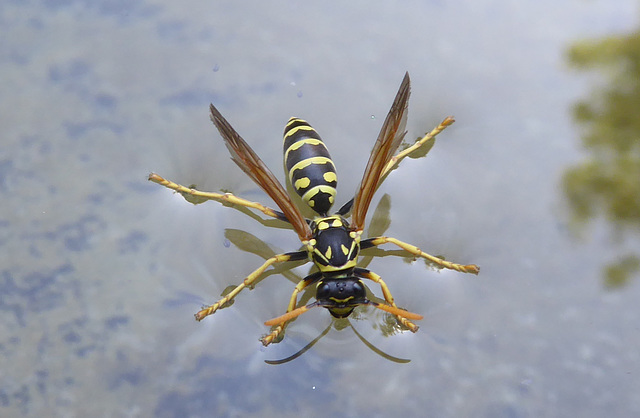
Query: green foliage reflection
x=607, y=183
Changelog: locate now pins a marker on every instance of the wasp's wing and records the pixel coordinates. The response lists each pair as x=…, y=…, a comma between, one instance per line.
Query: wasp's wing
x=253, y=166
x=388, y=141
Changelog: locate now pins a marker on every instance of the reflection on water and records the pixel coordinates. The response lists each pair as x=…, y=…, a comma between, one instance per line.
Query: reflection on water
x=607, y=182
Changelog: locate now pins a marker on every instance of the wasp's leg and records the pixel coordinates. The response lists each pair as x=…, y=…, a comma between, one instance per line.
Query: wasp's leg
x=373, y=242
x=280, y=258
x=395, y=160
x=228, y=199
x=368, y=274
x=302, y=284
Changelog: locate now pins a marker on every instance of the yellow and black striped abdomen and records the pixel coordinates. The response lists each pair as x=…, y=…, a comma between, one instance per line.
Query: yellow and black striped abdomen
x=309, y=166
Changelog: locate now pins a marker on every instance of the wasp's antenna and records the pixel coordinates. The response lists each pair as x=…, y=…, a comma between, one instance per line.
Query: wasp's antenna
x=393, y=310
x=299, y=311
x=290, y=315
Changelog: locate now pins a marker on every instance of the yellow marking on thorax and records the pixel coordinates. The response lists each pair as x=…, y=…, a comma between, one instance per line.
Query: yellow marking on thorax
x=329, y=268
x=322, y=225
x=327, y=222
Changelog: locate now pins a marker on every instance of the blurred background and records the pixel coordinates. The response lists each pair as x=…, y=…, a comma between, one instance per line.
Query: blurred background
x=537, y=182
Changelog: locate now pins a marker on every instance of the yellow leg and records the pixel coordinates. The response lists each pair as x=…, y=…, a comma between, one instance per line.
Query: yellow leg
x=367, y=274
x=302, y=284
x=228, y=199
x=247, y=282
x=395, y=160
x=469, y=268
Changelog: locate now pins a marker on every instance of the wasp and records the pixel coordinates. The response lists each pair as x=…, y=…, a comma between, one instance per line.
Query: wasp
x=330, y=241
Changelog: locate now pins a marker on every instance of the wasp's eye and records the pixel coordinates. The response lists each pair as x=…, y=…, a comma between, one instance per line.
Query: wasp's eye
x=323, y=290
x=358, y=289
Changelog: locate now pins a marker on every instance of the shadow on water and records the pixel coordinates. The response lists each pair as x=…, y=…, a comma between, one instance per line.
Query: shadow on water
x=607, y=183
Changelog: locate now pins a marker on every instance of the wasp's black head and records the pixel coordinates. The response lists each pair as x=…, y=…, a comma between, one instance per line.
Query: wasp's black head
x=341, y=295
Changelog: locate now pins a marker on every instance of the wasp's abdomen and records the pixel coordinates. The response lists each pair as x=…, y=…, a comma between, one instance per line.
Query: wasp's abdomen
x=309, y=165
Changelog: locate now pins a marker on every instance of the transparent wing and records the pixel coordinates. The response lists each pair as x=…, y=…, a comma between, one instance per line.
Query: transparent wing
x=253, y=166
x=388, y=141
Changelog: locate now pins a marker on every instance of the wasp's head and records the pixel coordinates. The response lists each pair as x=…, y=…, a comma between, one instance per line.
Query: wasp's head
x=341, y=295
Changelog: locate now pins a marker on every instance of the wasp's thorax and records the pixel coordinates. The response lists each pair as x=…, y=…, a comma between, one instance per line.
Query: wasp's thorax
x=335, y=246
